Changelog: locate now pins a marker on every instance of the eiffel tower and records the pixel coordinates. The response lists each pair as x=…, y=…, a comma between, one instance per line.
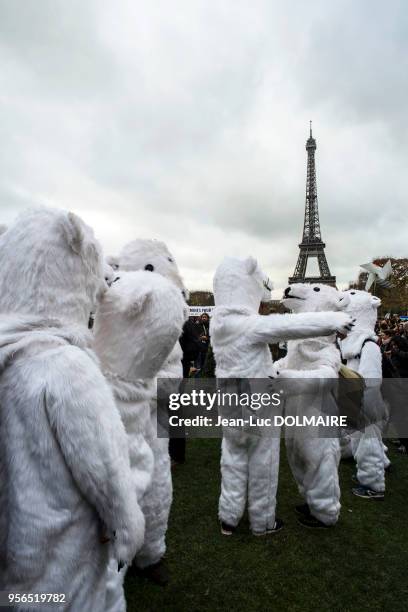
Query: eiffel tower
x=312, y=244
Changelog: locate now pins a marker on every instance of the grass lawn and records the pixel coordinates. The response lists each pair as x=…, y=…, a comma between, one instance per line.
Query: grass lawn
x=361, y=564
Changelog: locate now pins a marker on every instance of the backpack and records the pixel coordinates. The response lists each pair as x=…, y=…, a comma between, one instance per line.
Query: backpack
x=350, y=393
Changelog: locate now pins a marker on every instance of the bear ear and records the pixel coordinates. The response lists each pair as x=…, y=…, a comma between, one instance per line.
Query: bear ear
x=250, y=265
x=344, y=300
x=74, y=232
x=113, y=261
x=375, y=301
x=136, y=302
x=81, y=240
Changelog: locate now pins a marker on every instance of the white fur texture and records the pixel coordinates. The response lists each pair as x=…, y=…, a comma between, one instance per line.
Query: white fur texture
x=240, y=282
x=314, y=461
x=318, y=357
x=138, y=254
x=137, y=323
x=363, y=355
x=139, y=319
x=240, y=338
x=64, y=465
x=363, y=307
x=60, y=275
x=157, y=502
x=109, y=273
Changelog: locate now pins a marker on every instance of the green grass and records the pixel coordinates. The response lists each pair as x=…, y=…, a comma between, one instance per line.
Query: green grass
x=361, y=564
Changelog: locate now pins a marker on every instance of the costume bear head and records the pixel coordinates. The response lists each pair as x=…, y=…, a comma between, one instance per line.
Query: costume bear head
x=138, y=321
x=51, y=266
x=314, y=297
x=241, y=283
x=153, y=256
x=363, y=307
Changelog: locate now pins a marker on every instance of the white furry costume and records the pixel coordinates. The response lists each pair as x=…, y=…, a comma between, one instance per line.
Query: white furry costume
x=64, y=466
x=240, y=338
x=314, y=461
x=363, y=355
x=154, y=256
x=137, y=323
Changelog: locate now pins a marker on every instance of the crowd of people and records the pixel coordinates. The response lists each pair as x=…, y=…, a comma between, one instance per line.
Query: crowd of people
x=393, y=341
x=85, y=476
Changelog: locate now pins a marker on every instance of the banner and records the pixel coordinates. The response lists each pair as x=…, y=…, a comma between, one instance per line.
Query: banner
x=196, y=311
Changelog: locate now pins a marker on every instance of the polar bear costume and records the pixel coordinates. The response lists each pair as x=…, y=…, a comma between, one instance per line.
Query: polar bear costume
x=137, y=323
x=240, y=338
x=65, y=479
x=314, y=461
x=362, y=354
x=154, y=256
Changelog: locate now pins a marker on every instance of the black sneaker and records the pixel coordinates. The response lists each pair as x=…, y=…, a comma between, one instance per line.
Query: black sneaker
x=156, y=573
x=312, y=522
x=226, y=529
x=366, y=493
x=278, y=526
x=302, y=510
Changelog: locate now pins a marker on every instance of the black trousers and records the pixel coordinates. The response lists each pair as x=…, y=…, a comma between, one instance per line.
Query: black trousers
x=177, y=449
x=177, y=446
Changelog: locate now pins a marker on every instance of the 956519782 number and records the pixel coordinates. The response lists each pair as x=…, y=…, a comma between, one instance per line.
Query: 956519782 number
x=32, y=598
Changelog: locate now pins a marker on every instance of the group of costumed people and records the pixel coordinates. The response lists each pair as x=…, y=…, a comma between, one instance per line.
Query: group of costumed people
x=85, y=480
x=240, y=339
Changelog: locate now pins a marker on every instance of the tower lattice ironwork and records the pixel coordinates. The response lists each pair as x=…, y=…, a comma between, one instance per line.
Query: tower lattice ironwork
x=312, y=244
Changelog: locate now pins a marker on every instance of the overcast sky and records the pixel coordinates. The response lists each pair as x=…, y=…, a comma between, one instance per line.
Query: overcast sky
x=186, y=120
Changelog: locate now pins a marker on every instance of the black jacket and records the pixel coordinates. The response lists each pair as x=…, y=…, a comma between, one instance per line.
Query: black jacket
x=399, y=356
x=189, y=341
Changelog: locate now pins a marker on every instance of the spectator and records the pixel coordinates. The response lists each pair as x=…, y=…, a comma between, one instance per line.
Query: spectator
x=203, y=330
x=388, y=370
x=208, y=370
x=400, y=329
x=399, y=355
x=399, y=359
x=190, y=345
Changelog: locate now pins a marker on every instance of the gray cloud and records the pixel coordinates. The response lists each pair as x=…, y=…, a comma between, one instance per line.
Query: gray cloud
x=187, y=121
